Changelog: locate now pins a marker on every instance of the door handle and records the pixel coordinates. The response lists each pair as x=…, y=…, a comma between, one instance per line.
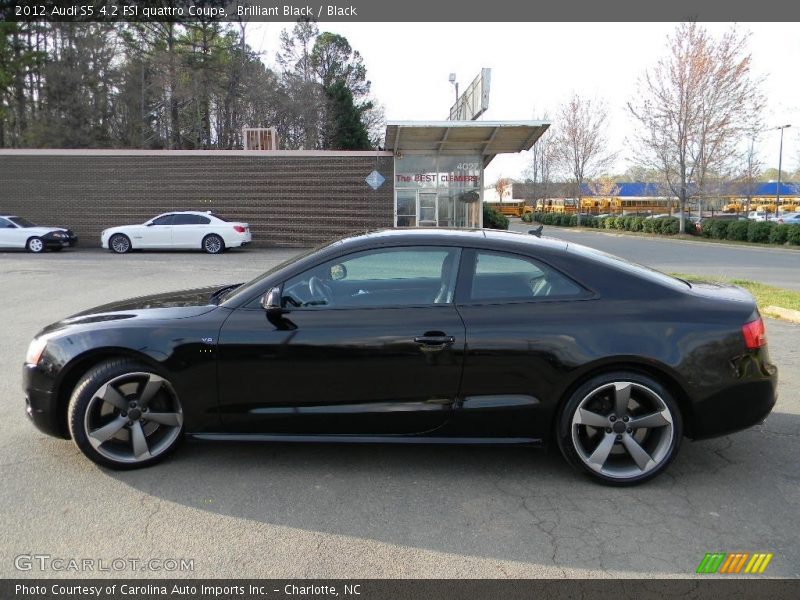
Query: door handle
x=433, y=343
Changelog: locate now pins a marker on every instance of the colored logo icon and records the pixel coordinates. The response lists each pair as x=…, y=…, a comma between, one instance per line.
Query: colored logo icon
x=735, y=563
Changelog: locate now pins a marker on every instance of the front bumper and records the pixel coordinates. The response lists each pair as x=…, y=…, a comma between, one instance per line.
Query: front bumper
x=41, y=402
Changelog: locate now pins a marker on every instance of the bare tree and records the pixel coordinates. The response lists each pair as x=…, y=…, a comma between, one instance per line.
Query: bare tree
x=749, y=173
x=581, y=143
x=501, y=186
x=542, y=163
x=693, y=108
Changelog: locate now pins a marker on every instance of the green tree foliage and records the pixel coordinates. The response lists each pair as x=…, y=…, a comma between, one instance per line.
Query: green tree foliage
x=178, y=85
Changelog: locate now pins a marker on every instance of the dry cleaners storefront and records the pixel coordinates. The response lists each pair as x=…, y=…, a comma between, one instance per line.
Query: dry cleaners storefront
x=439, y=165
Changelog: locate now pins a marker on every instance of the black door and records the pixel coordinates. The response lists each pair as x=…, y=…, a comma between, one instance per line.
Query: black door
x=370, y=344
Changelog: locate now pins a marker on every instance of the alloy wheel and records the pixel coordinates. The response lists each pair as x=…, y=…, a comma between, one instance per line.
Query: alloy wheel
x=623, y=430
x=133, y=418
x=212, y=244
x=120, y=244
x=35, y=245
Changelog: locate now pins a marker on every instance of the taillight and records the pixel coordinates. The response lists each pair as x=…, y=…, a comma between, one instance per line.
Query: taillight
x=239, y=229
x=754, y=334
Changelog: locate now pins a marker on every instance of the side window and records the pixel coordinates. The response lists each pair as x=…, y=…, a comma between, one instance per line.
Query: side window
x=200, y=220
x=4, y=224
x=183, y=220
x=509, y=277
x=164, y=220
x=408, y=276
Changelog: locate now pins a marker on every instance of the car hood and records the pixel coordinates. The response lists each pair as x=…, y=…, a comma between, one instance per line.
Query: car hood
x=170, y=305
x=41, y=230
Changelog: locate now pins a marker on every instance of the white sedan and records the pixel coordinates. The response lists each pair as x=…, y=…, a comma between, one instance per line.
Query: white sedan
x=17, y=232
x=178, y=230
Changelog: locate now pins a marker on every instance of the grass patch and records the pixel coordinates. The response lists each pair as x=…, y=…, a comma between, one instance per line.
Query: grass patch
x=765, y=295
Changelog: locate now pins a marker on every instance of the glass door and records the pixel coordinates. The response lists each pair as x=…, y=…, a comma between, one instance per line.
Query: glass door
x=428, y=209
x=406, y=208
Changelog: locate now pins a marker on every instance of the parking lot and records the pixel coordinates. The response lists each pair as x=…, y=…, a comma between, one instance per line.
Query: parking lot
x=282, y=510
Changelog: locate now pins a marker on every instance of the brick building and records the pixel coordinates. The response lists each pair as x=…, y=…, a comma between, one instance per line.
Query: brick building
x=432, y=171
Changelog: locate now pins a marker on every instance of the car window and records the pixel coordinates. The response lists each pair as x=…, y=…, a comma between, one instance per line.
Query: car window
x=408, y=276
x=164, y=220
x=509, y=277
x=4, y=224
x=20, y=222
x=190, y=220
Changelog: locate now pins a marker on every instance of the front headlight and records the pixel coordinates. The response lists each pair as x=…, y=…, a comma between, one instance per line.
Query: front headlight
x=35, y=350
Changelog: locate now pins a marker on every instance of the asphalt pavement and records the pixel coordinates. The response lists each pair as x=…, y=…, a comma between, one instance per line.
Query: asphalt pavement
x=775, y=266
x=282, y=510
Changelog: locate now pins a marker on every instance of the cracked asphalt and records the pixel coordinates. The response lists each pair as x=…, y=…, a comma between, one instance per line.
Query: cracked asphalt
x=281, y=510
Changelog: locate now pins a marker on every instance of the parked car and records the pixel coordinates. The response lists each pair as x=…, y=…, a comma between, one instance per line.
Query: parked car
x=790, y=219
x=415, y=336
x=185, y=230
x=18, y=232
x=757, y=215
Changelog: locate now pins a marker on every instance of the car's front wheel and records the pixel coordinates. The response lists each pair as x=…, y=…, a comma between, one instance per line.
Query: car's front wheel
x=119, y=243
x=213, y=244
x=124, y=416
x=35, y=244
x=621, y=428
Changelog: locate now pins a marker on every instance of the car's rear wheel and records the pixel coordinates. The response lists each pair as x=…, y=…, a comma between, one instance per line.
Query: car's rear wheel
x=119, y=243
x=124, y=416
x=213, y=244
x=35, y=244
x=621, y=428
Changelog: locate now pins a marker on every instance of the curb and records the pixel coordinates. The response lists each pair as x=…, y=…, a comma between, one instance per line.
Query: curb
x=787, y=314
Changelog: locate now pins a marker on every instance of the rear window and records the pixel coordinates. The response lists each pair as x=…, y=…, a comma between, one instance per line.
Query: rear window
x=629, y=267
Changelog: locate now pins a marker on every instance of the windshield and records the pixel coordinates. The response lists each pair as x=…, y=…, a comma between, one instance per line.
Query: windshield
x=630, y=267
x=21, y=222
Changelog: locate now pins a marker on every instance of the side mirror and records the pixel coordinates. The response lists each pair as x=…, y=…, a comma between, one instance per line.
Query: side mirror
x=271, y=301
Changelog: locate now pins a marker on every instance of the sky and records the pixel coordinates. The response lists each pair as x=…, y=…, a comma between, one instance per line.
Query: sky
x=537, y=66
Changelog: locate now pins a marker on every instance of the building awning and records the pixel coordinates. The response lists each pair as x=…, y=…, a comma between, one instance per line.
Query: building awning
x=486, y=138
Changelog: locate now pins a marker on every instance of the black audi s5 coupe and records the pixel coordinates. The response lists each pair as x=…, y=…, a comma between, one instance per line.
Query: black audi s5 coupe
x=415, y=336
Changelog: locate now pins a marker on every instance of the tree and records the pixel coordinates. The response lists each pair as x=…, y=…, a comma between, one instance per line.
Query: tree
x=543, y=159
x=751, y=168
x=693, y=107
x=582, y=147
x=347, y=131
x=501, y=186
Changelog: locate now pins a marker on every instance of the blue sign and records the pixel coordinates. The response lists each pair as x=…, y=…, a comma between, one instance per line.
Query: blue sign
x=375, y=180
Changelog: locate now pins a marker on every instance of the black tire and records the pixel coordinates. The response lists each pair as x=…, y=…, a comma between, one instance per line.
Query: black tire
x=84, y=398
x=35, y=245
x=660, y=441
x=213, y=244
x=119, y=243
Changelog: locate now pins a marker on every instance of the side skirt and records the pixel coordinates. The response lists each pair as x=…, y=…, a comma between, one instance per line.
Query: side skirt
x=372, y=439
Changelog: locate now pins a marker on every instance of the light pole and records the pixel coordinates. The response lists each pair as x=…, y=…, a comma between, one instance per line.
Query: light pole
x=452, y=80
x=780, y=166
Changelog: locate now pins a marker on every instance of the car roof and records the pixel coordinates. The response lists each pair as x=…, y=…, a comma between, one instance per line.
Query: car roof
x=203, y=213
x=446, y=235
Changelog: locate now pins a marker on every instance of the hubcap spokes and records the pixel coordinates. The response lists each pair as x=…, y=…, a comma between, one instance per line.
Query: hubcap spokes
x=133, y=417
x=212, y=245
x=622, y=429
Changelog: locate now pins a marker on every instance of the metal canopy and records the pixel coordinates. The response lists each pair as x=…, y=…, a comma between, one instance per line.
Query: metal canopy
x=486, y=138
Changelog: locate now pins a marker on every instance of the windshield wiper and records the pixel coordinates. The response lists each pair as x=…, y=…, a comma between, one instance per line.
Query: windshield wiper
x=219, y=294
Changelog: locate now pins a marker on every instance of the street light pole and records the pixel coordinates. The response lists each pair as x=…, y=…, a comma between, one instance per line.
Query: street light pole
x=780, y=166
